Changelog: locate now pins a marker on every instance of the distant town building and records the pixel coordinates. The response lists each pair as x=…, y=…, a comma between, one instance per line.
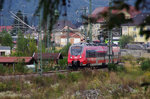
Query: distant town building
x=133, y=28
x=96, y=28
x=7, y=28
x=5, y=50
x=61, y=28
x=73, y=38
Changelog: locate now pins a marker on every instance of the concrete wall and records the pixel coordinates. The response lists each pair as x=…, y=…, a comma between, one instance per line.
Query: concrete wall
x=135, y=53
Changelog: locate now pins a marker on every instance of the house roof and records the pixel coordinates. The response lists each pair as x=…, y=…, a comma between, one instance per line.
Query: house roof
x=138, y=19
x=74, y=35
x=49, y=56
x=132, y=11
x=4, y=48
x=5, y=27
x=15, y=59
x=62, y=23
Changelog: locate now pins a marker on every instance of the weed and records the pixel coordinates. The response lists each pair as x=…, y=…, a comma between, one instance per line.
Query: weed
x=145, y=65
x=61, y=76
x=115, y=67
x=73, y=77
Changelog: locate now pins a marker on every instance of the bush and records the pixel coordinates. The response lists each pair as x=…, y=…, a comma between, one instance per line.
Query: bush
x=140, y=60
x=2, y=69
x=145, y=65
x=64, y=50
x=73, y=77
x=115, y=67
x=125, y=39
x=127, y=58
x=2, y=86
x=20, y=68
x=61, y=76
x=63, y=62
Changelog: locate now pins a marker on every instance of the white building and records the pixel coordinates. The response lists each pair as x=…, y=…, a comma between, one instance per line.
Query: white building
x=5, y=51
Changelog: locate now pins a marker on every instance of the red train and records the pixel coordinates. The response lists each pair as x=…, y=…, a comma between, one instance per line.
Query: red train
x=86, y=54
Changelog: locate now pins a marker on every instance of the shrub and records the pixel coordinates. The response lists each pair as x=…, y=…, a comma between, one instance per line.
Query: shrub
x=2, y=69
x=2, y=86
x=74, y=76
x=20, y=68
x=61, y=76
x=65, y=49
x=128, y=58
x=63, y=63
x=115, y=67
x=145, y=65
x=140, y=59
x=125, y=39
x=112, y=67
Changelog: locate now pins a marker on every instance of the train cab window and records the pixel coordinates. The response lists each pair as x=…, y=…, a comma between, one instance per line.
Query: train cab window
x=76, y=50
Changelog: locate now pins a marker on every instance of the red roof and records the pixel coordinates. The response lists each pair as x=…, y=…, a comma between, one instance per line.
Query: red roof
x=74, y=35
x=5, y=27
x=46, y=56
x=132, y=11
x=15, y=59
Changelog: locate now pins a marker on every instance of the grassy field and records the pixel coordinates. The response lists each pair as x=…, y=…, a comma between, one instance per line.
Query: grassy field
x=129, y=81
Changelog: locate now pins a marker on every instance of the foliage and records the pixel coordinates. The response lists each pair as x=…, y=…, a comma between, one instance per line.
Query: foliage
x=73, y=77
x=20, y=67
x=2, y=69
x=145, y=65
x=63, y=62
x=140, y=59
x=21, y=44
x=31, y=46
x=6, y=39
x=25, y=46
x=64, y=50
x=115, y=67
x=125, y=39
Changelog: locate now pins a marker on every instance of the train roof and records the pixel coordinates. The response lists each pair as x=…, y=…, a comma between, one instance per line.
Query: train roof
x=89, y=44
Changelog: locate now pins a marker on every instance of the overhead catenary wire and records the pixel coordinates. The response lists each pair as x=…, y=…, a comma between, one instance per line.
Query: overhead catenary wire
x=18, y=19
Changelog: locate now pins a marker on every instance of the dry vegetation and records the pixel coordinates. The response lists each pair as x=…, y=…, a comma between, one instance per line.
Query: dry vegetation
x=130, y=82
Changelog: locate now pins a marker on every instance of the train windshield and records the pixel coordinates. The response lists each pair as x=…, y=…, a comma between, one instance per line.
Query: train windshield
x=76, y=50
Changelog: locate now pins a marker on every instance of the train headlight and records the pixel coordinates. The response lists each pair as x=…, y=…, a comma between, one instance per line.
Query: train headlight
x=71, y=57
x=80, y=56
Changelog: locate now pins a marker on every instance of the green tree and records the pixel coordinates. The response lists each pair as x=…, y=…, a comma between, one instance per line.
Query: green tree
x=21, y=45
x=125, y=39
x=31, y=46
x=2, y=35
x=65, y=49
x=7, y=40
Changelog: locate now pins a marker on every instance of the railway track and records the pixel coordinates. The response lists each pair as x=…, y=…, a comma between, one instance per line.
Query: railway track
x=46, y=74
x=18, y=76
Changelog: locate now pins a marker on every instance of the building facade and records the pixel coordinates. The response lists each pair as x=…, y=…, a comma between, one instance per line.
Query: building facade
x=133, y=28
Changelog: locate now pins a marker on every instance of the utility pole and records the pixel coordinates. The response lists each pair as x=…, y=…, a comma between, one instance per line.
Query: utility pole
x=84, y=12
x=90, y=25
x=110, y=36
x=40, y=47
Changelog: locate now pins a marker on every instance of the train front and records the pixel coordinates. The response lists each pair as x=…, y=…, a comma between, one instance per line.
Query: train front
x=76, y=56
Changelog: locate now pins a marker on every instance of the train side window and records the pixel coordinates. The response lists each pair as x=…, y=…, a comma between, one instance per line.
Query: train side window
x=100, y=54
x=90, y=53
